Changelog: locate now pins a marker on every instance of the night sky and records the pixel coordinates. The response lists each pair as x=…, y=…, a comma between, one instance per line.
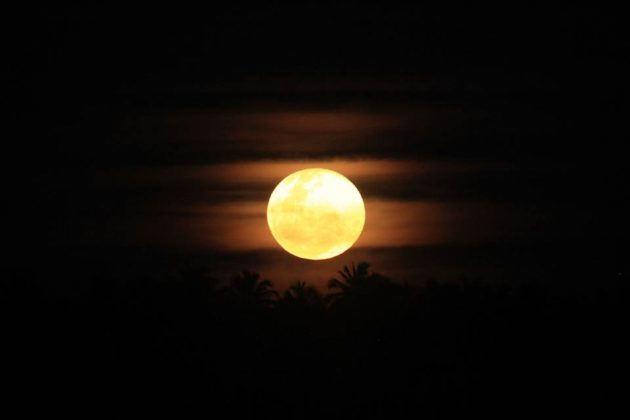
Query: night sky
x=485, y=141
x=159, y=132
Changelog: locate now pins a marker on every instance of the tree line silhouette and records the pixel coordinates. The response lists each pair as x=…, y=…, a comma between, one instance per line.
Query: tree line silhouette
x=366, y=346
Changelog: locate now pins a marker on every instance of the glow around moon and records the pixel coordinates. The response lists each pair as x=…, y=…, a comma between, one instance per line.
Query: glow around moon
x=316, y=213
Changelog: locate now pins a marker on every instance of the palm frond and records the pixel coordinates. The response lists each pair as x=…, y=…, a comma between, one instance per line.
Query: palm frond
x=337, y=284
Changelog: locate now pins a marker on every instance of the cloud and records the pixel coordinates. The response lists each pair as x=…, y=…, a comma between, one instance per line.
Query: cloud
x=221, y=206
x=247, y=180
x=265, y=131
x=242, y=226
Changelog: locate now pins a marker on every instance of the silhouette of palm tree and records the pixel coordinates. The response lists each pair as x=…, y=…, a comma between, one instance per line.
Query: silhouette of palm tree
x=353, y=282
x=350, y=278
x=301, y=294
x=248, y=289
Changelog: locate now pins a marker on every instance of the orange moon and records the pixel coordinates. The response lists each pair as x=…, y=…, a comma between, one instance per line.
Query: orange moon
x=316, y=213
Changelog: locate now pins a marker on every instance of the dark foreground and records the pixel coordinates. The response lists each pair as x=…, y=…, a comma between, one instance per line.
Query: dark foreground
x=370, y=347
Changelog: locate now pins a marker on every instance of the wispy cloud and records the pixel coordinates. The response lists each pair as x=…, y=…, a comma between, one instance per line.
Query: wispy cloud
x=262, y=132
x=223, y=206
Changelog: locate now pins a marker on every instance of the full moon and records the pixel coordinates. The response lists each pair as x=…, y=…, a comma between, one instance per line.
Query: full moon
x=316, y=213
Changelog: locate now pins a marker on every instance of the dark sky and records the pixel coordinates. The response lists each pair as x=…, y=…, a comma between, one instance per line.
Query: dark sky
x=483, y=139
